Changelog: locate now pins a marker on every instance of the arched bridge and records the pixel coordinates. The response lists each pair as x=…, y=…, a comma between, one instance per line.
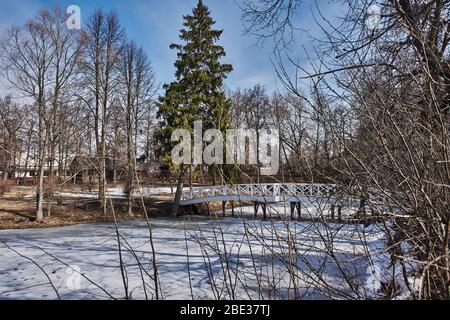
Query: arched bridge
x=265, y=193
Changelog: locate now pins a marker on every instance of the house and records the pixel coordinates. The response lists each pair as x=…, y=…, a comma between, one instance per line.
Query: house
x=85, y=169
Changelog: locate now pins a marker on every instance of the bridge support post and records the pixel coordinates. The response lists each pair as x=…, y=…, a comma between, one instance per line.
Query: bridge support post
x=296, y=206
x=264, y=209
x=339, y=213
x=292, y=209
x=293, y=205
x=224, y=204
x=255, y=207
x=332, y=211
x=299, y=210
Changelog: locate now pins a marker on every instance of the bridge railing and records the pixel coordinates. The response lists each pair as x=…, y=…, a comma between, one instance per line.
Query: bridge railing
x=279, y=192
x=264, y=190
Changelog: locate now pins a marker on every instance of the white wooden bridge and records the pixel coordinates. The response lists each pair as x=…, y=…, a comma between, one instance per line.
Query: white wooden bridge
x=260, y=194
x=264, y=193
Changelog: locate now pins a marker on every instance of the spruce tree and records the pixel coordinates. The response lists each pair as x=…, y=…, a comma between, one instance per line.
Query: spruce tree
x=197, y=92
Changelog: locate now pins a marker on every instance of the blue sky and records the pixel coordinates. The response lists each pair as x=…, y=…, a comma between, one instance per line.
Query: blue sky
x=155, y=24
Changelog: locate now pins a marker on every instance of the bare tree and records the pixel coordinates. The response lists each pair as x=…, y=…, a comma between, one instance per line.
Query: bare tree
x=251, y=109
x=390, y=79
x=38, y=63
x=138, y=90
x=103, y=36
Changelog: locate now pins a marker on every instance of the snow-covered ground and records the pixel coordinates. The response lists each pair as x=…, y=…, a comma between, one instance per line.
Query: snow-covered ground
x=198, y=258
x=117, y=192
x=311, y=207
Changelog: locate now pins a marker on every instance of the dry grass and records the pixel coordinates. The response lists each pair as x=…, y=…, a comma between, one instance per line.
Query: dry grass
x=17, y=211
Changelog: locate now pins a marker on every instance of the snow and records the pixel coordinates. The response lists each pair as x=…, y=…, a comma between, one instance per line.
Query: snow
x=228, y=258
x=311, y=207
x=115, y=193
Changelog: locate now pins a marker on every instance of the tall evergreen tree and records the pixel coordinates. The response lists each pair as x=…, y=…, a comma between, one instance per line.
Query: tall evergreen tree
x=197, y=93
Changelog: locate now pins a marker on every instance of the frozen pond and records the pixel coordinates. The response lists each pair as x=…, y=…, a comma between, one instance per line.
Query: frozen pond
x=198, y=258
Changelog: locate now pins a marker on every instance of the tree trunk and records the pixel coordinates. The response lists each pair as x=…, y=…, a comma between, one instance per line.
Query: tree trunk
x=40, y=193
x=130, y=163
x=42, y=139
x=177, y=198
x=40, y=182
x=102, y=178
